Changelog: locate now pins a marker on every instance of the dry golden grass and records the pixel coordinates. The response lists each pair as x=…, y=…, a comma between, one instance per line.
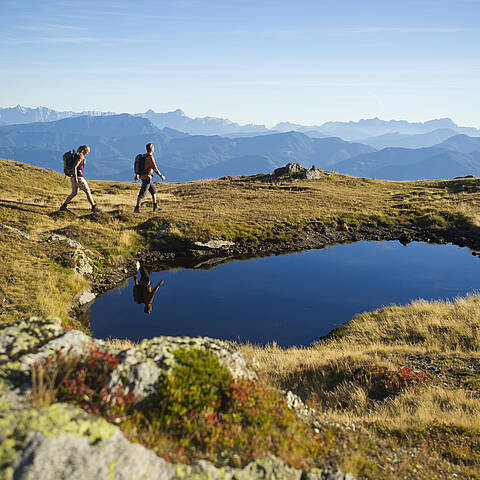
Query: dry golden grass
x=436, y=423
x=439, y=334
x=445, y=333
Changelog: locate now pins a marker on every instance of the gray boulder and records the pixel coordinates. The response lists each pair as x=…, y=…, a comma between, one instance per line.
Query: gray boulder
x=313, y=173
x=289, y=170
x=78, y=255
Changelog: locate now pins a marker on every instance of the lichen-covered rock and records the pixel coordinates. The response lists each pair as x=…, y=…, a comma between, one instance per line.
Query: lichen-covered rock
x=72, y=341
x=160, y=350
x=18, y=425
x=269, y=467
x=72, y=458
x=25, y=343
x=141, y=366
x=107, y=455
x=19, y=338
x=137, y=373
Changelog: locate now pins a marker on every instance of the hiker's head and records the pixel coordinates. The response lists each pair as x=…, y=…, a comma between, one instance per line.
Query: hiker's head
x=148, y=308
x=150, y=148
x=83, y=149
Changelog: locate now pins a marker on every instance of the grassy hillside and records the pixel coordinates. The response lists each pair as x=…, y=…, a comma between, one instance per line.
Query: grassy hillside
x=254, y=213
x=396, y=391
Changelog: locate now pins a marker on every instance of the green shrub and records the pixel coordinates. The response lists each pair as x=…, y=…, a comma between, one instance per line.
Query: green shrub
x=200, y=411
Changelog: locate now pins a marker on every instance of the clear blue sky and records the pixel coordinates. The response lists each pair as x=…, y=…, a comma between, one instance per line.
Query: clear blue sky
x=261, y=61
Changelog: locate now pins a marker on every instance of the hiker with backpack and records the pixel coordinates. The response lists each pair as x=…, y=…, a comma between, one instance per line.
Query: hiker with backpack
x=73, y=164
x=142, y=290
x=144, y=167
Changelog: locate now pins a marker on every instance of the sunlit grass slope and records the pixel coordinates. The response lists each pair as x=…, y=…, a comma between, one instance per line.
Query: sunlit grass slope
x=35, y=278
x=397, y=389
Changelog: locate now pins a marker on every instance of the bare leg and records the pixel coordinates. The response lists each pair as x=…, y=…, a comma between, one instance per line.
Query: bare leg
x=89, y=197
x=72, y=195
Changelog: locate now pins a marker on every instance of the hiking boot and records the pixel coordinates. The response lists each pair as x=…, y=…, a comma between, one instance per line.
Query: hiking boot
x=95, y=209
x=136, y=209
x=155, y=206
x=63, y=207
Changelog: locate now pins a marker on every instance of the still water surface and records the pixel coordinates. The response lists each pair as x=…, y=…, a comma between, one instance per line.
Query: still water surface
x=291, y=299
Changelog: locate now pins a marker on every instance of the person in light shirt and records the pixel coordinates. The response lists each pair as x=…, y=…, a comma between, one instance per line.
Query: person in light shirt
x=78, y=181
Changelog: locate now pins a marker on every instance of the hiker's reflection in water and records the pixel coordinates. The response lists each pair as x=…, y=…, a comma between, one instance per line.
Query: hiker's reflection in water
x=142, y=290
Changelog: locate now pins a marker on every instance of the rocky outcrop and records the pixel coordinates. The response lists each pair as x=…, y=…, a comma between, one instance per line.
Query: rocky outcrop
x=25, y=343
x=215, y=244
x=78, y=257
x=313, y=173
x=86, y=297
x=296, y=170
x=62, y=441
x=141, y=367
x=289, y=170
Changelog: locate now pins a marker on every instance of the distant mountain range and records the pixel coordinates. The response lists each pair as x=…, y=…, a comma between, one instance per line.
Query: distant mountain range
x=19, y=114
x=360, y=131
x=456, y=156
x=410, y=141
x=116, y=139
x=200, y=126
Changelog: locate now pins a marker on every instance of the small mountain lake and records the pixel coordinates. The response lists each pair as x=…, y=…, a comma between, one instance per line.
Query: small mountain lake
x=291, y=299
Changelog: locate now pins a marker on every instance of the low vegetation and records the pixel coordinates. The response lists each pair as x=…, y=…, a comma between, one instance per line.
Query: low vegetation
x=197, y=411
x=401, y=383
x=396, y=391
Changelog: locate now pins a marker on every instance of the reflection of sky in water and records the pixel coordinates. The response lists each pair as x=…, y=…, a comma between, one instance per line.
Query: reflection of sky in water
x=292, y=299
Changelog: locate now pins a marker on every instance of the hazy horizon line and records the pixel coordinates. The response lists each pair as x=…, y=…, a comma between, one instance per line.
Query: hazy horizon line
x=266, y=125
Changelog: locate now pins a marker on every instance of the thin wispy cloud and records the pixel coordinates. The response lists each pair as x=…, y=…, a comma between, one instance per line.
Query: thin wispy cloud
x=345, y=31
x=49, y=41
x=50, y=27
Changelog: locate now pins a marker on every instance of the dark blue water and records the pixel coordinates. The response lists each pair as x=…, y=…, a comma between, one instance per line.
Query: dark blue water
x=291, y=299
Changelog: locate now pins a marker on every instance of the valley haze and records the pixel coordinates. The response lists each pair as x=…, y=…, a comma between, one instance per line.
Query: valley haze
x=195, y=148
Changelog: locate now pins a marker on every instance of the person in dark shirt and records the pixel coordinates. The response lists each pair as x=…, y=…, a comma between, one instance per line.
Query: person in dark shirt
x=142, y=290
x=78, y=181
x=147, y=179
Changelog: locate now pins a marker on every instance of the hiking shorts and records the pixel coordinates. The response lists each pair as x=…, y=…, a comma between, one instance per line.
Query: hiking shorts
x=147, y=185
x=80, y=185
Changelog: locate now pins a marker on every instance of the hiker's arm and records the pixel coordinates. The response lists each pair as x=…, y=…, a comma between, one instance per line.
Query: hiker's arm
x=157, y=171
x=157, y=286
x=136, y=280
